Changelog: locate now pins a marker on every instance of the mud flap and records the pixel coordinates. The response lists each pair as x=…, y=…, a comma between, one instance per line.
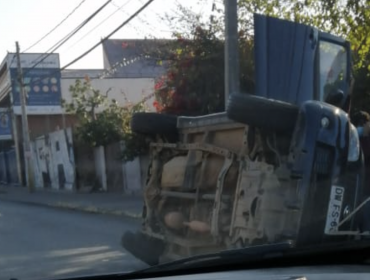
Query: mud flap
x=143, y=247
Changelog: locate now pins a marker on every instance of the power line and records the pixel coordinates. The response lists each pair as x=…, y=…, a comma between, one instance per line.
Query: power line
x=102, y=41
x=68, y=36
x=109, y=35
x=139, y=18
x=120, y=64
x=53, y=29
x=156, y=13
x=79, y=27
x=100, y=23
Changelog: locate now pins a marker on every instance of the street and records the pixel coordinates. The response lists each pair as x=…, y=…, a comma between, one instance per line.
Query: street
x=39, y=242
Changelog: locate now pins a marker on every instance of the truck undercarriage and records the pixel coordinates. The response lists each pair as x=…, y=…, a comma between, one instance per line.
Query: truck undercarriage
x=265, y=171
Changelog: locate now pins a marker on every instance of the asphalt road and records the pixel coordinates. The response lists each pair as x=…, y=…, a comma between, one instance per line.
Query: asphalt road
x=45, y=243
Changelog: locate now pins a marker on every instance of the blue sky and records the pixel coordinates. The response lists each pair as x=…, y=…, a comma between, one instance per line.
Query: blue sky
x=27, y=21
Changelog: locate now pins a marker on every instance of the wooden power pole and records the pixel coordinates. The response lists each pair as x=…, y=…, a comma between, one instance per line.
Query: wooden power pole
x=26, y=136
x=232, y=74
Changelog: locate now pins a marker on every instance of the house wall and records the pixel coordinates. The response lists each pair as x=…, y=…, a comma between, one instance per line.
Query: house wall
x=100, y=167
x=132, y=179
x=122, y=90
x=53, y=160
x=113, y=162
x=85, y=166
x=134, y=89
x=42, y=124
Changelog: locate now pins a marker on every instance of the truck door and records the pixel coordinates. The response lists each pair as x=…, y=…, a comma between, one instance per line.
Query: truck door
x=295, y=62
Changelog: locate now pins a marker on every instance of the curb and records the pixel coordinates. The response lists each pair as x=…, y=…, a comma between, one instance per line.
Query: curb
x=95, y=210
x=80, y=208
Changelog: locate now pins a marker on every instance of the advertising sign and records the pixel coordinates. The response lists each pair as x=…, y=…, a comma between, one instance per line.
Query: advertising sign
x=34, y=60
x=41, y=78
x=42, y=87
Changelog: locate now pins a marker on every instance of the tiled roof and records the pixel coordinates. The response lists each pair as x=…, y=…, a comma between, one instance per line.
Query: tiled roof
x=81, y=73
x=132, y=52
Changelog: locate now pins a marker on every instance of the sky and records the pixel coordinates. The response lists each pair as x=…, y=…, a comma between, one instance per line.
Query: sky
x=26, y=21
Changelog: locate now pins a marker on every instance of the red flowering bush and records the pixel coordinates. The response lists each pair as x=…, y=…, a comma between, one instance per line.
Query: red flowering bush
x=194, y=81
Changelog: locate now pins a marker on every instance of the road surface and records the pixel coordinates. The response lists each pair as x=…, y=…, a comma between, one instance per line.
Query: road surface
x=45, y=243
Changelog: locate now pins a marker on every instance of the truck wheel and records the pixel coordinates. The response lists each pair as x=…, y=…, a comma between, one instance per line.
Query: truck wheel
x=262, y=112
x=154, y=123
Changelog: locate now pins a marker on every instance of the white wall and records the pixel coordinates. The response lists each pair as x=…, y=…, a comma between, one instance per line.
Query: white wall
x=134, y=89
x=60, y=152
x=132, y=178
x=48, y=156
x=100, y=167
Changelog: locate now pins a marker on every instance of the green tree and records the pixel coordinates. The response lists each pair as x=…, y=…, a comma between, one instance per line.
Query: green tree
x=194, y=81
x=102, y=121
x=349, y=19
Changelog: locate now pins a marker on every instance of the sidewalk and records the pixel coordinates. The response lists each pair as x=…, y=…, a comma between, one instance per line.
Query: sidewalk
x=101, y=203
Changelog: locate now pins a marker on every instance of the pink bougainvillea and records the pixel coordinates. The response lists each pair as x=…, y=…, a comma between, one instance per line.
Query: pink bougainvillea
x=194, y=76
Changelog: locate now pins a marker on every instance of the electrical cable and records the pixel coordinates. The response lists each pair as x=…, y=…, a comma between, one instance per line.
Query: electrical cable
x=67, y=37
x=153, y=30
x=109, y=35
x=53, y=29
x=102, y=41
x=100, y=23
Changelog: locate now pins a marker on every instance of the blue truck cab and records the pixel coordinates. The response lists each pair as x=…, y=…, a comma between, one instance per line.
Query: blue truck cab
x=305, y=74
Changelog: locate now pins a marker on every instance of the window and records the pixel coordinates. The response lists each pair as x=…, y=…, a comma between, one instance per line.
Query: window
x=333, y=65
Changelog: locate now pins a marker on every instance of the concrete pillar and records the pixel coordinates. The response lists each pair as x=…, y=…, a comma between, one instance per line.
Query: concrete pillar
x=100, y=167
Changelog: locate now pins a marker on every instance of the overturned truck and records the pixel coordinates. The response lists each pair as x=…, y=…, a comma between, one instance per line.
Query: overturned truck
x=283, y=164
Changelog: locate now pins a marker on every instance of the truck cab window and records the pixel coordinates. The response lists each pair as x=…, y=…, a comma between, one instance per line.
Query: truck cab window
x=333, y=65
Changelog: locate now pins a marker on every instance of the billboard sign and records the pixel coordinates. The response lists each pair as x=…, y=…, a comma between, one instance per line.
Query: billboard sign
x=29, y=60
x=41, y=81
x=42, y=87
x=5, y=124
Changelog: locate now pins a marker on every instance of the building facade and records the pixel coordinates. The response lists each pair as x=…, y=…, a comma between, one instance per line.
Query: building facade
x=128, y=76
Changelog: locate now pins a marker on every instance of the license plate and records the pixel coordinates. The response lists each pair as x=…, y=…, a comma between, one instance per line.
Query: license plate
x=334, y=209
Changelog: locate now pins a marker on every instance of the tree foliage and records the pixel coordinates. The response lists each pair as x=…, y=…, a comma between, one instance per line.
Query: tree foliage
x=194, y=83
x=349, y=19
x=102, y=121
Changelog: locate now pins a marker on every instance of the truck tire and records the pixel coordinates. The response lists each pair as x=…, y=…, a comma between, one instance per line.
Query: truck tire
x=154, y=123
x=262, y=112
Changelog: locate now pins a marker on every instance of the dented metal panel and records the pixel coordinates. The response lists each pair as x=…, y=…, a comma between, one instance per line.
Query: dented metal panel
x=284, y=59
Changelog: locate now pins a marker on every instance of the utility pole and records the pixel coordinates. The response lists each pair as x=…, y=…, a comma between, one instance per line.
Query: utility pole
x=26, y=135
x=232, y=72
x=16, y=142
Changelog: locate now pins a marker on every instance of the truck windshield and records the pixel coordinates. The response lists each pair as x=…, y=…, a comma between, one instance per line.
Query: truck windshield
x=333, y=65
